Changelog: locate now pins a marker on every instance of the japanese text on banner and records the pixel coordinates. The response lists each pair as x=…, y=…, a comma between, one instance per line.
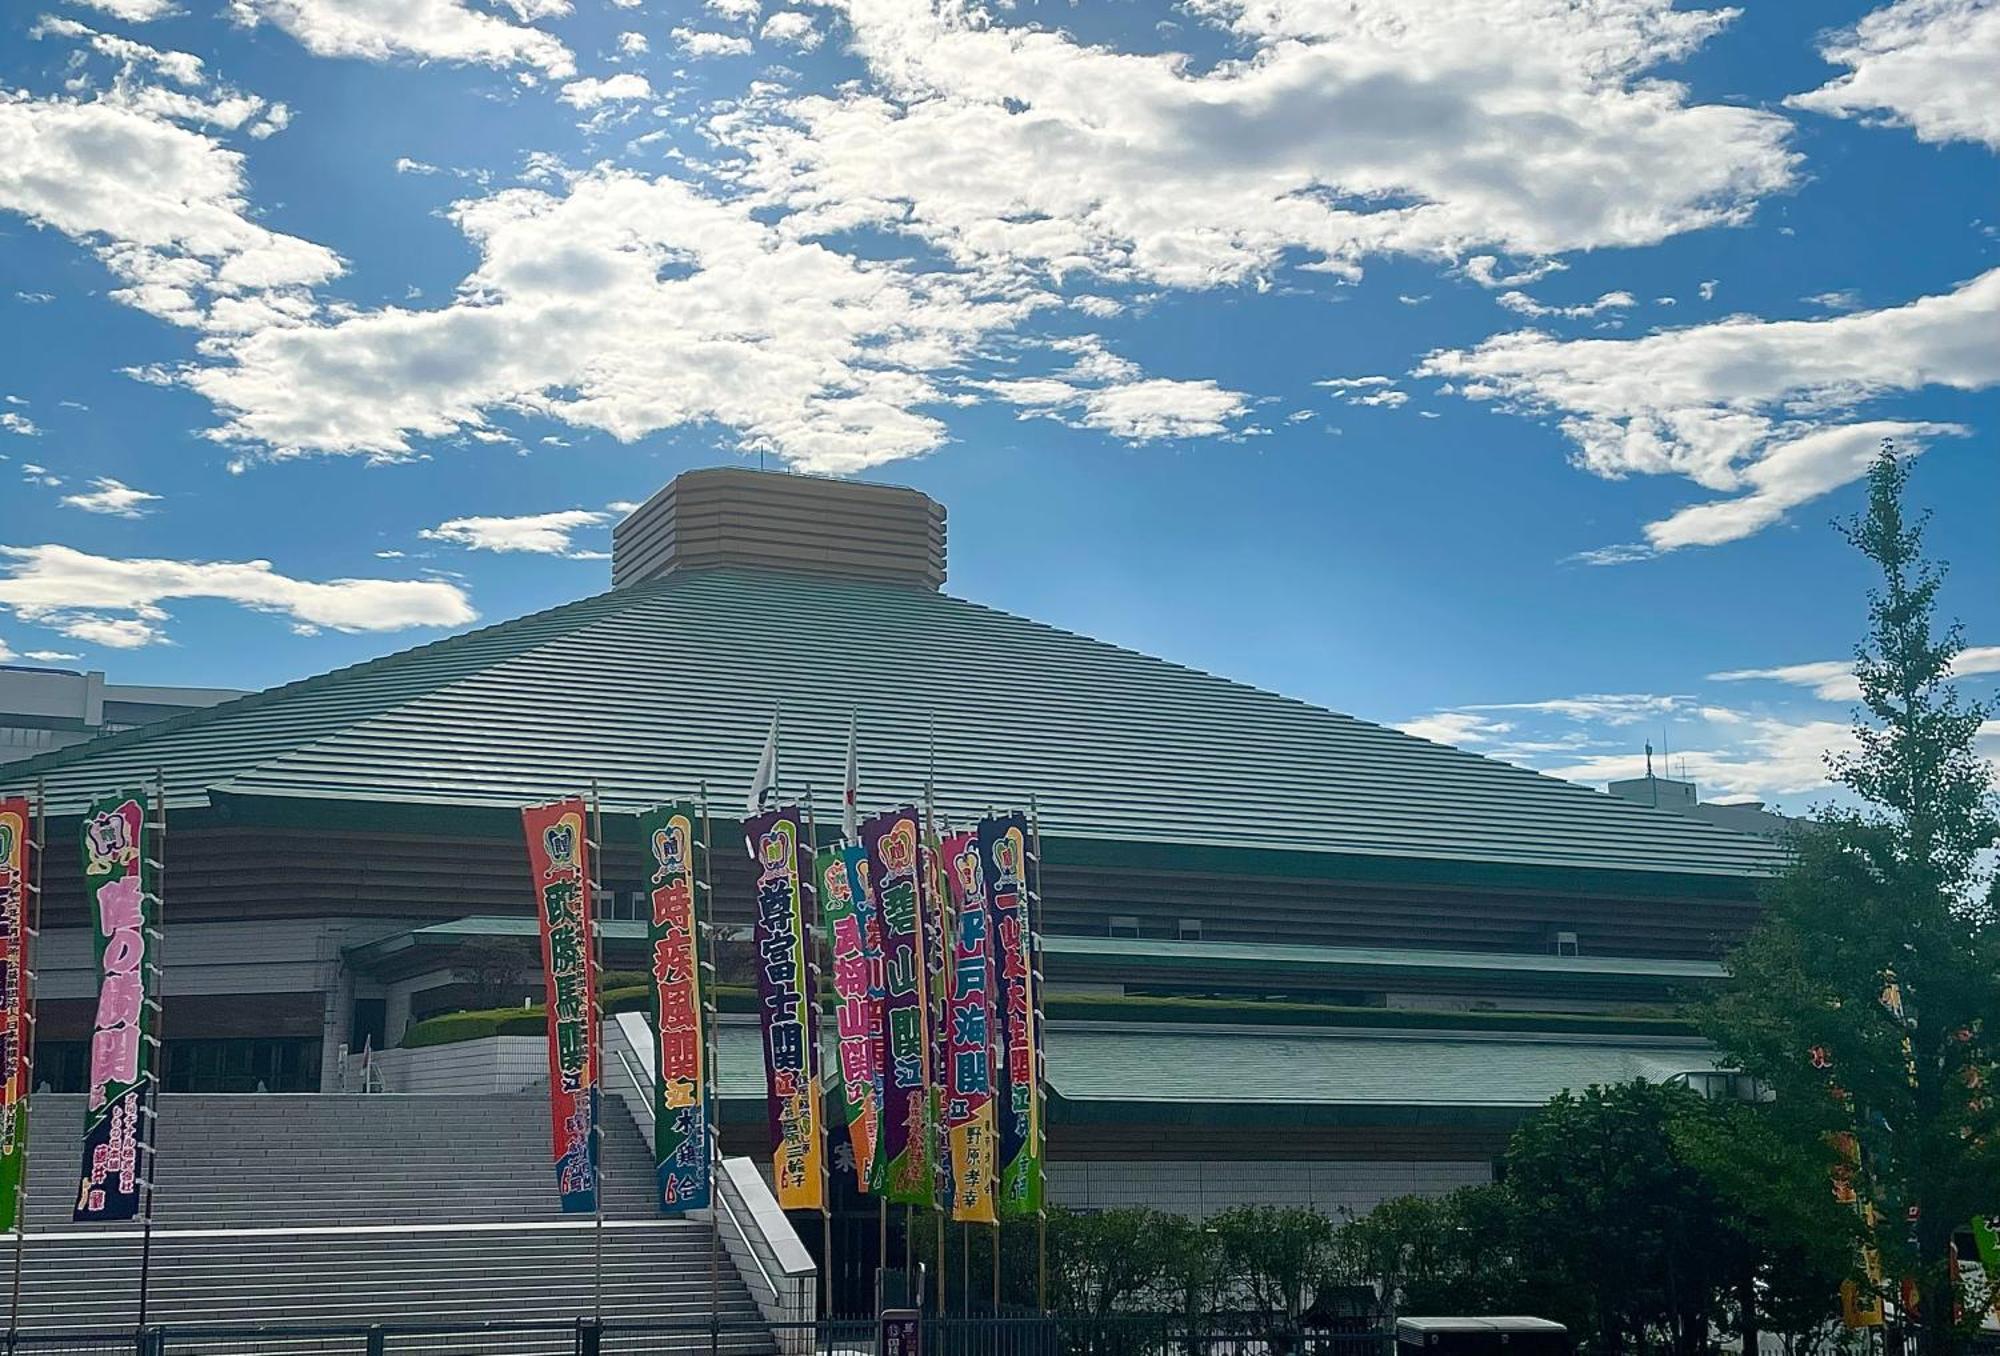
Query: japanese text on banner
x=681, y=1087
x=559, y=861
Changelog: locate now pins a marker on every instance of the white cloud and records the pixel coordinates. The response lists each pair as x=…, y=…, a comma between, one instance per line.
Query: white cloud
x=1456, y=728
x=632, y=44
x=1484, y=269
x=112, y=497
x=591, y=92
x=1762, y=757
x=1707, y=289
x=1143, y=410
x=47, y=656
x=1833, y=679
x=14, y=422
x=1598, y=738
x=1524, y=304
x=72, y=592
x=132, y=11
x=698, y=44
x=793, y=29
x=1375, y=127
x=1377, y=391
x=1837, y=299
x=1747, y=408
x=428, y=30
x=541, y=533
x=625, y=304
x=1923, y=64
x=162, y=205
x=734, y=11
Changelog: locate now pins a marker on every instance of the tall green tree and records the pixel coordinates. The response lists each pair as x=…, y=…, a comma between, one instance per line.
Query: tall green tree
x=1616, y=1233
x=1868, y=998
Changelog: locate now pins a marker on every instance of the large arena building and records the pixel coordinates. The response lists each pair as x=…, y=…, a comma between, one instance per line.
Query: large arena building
x=1290, y=955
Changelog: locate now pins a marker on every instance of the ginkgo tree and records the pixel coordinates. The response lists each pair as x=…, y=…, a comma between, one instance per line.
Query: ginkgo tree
x=1867, y=1000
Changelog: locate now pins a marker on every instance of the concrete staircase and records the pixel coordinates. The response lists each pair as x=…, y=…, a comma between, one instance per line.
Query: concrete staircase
x=350, y=1210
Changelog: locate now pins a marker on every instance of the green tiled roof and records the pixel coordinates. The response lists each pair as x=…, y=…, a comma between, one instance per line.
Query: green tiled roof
x=651, y=689
x=1380, y=1071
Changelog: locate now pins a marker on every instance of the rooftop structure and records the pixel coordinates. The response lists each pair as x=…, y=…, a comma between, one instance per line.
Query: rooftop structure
x=50, y=708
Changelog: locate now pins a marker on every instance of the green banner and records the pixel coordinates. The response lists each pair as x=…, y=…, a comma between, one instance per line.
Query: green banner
x=14, y=1053
x=841, y=875
x=683, y=1082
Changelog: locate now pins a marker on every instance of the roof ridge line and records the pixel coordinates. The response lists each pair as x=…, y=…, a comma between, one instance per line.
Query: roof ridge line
x=250, y=701
x=1701, y=827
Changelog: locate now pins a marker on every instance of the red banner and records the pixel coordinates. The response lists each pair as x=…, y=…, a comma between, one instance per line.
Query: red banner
x=559, y=864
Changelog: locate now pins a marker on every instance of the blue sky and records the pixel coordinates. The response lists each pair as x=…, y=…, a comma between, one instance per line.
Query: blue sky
x=1492, y=369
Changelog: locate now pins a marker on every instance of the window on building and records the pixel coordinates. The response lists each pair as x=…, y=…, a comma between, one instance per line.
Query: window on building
x=621, y=905
x=1189, y=930
x=1123, y=925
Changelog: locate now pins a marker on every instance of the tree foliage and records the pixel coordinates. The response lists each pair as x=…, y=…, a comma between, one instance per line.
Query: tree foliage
x=1868, y=998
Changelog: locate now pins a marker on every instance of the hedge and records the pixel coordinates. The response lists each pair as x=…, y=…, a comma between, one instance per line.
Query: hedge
x=528, y=1021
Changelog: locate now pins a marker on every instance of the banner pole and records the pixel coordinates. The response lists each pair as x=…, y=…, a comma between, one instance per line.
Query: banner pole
x=32, y=931
x=1041, y=1073
x=934, y=1133
x=149, y=1147
x=590, y=887
x=705, y=901
x=813, y=1060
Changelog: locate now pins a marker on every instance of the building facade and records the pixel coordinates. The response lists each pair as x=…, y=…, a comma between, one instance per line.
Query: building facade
x=1290, y=954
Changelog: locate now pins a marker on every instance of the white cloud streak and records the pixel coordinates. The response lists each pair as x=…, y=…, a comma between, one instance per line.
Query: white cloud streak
x=539, y=533
x=625, y=304
x=1526, y=126
x=113, y=497
x=1751, y=409
x=427, y=30
x=1833, y=679
x=1922, y=64
x=73, y=592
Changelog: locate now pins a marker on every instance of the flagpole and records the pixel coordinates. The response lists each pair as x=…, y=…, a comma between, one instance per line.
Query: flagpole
x=149, y=1118
x=597, y=1051
x=1035, y=1049
x=931, y=1132
x=32, y=932
x=814, y=973
x=704, y=901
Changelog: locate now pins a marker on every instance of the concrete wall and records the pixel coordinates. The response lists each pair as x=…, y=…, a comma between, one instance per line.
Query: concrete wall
x=494, y=1064
x=293, y=956
x=1201, y=1188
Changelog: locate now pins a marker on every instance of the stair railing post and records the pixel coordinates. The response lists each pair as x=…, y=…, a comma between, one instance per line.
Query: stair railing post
x=378, y=1339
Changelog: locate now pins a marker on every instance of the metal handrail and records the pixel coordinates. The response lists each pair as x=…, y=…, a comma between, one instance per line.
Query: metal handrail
x=717, y=1195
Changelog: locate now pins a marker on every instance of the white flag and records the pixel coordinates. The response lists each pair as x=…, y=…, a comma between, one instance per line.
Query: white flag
x=766, y=780
x=850, y=796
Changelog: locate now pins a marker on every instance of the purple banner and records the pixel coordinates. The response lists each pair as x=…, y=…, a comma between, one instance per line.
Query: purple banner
x=892, y=841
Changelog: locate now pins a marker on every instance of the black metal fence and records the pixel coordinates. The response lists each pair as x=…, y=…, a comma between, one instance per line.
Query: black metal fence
x=1113, y=1335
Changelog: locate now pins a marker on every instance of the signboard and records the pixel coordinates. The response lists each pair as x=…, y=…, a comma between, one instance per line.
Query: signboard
x=968, y=1101
x=13, y=1003
x=785, y=1009
x=891, y=840
x=1003, y=849
x=902, y=1333
x=682, y=1154
x=119, y=880
x=854, y=932
x=559, y=865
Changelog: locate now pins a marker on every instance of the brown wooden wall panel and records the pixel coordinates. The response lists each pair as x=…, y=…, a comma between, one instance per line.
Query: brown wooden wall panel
x=254, y=872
